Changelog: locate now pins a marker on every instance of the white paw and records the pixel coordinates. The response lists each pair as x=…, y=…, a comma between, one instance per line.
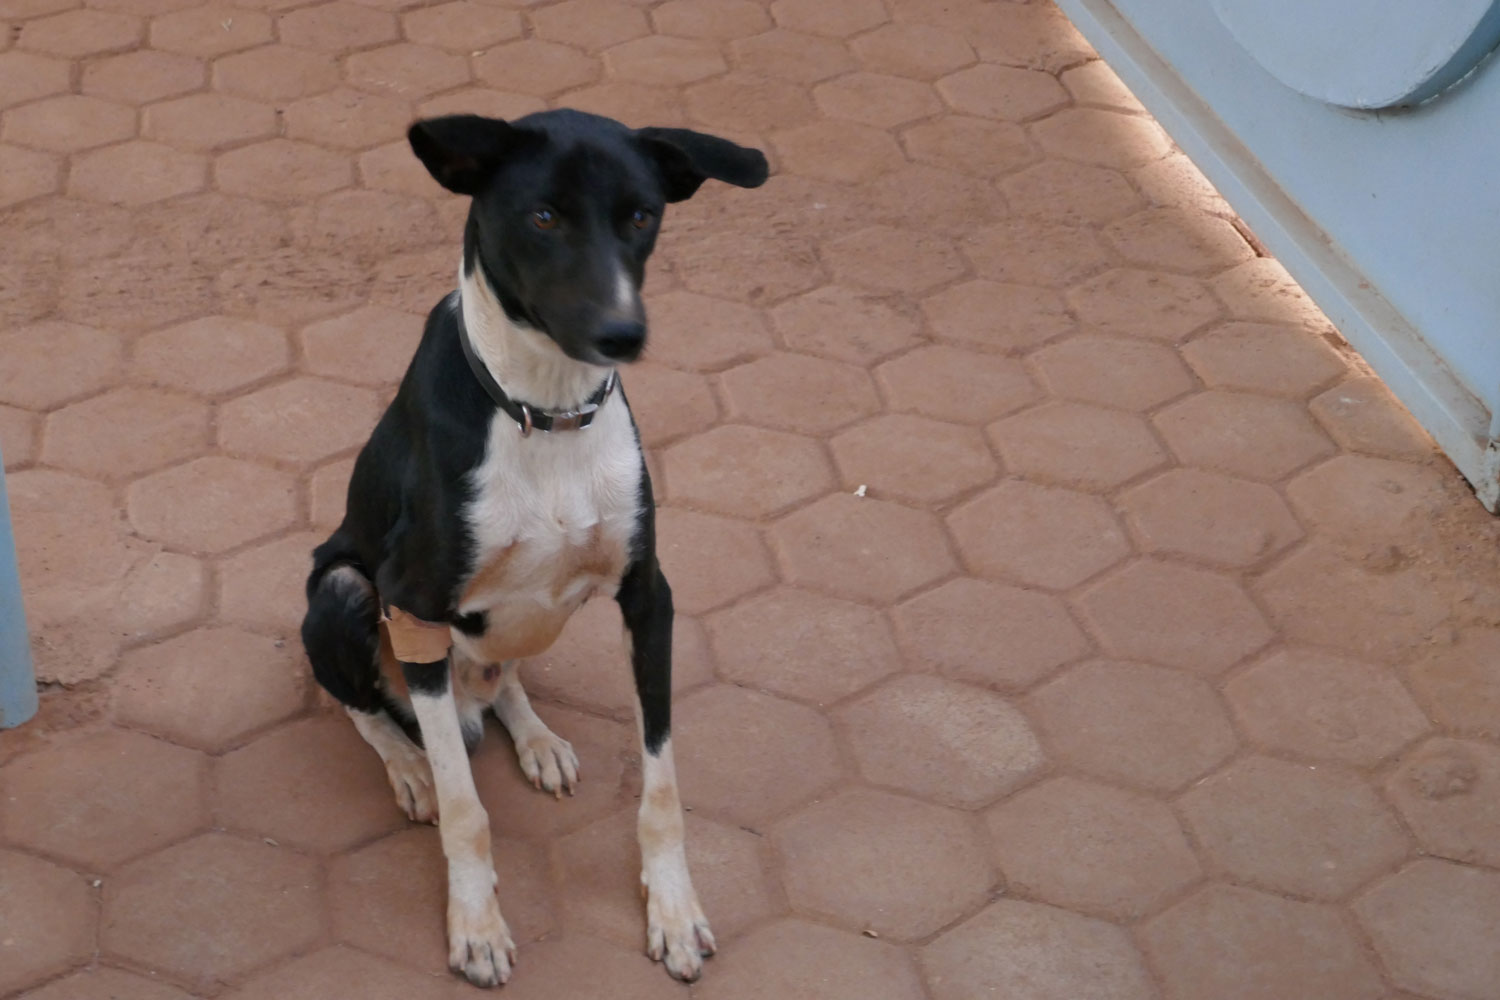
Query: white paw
x=547, y=760
x=479, y=943
x=411, y=779
x=677, y=932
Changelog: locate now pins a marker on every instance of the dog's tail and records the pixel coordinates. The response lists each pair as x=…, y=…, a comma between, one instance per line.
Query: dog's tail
x=341, y=630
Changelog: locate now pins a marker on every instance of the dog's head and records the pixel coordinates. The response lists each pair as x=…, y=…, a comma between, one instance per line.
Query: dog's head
x=566, y=210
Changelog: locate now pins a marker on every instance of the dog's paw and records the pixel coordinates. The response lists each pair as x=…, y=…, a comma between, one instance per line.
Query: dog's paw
x=411, y=779
x=677, y=932
x=479, y=944
x=547, y=760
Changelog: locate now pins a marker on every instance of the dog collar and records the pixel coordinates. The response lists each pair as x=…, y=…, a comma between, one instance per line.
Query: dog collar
x=529, y=418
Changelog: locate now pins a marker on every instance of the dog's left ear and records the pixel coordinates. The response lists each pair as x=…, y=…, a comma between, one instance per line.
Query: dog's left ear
x=463, y=151
x=685, y=159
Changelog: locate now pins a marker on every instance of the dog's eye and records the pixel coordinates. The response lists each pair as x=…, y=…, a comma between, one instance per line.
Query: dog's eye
x=640, y=218
x=544, y=218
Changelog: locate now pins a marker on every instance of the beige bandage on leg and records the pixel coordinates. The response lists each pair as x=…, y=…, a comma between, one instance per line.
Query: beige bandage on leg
x=414, y=640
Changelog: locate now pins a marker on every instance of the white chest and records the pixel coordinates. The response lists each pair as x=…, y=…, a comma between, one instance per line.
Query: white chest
x=552, y=520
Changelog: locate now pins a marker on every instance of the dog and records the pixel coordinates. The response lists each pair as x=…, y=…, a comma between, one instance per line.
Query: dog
x=504, y=486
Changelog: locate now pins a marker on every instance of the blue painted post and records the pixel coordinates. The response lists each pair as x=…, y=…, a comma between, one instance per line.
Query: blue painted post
x=17, y=681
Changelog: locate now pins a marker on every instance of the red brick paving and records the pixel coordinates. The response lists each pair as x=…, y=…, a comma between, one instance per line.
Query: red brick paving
x=1160, y=657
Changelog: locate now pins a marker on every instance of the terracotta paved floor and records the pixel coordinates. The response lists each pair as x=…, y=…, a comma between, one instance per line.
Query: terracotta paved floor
x=1161, y=657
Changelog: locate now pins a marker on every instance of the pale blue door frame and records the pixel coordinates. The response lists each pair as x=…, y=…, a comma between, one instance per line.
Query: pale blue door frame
x=1386, y=214
x=18, y=701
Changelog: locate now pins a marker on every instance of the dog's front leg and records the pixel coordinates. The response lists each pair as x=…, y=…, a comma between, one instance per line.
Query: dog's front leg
x=479, y=943
x=677, y=932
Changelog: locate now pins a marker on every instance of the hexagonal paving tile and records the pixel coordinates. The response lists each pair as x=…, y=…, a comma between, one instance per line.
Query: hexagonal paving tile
x=844, y=325
x=876, y=99
x=1147, y=726
x=34, y=379
x=985, y=314
x=142, y=76
x=460, y=26
x=68, y=123
x=730, y=771
x=982, y=747
x=211, y=356
x=889, y=259
x=943, y=202
x=1433, y=924
x=281, y=170
x=125, y=432
x=390, y=897
x=1308, y=831
x=78, y=33
x=1175, y=182
x=100, y=983
x=1243, y=435
x=1366, y=505
x=664, y=61
x=1320, y=597
x=969, y=145
x=26, y=77
x=835, y=18
x=1035, y=252
x=1154, y=304
x=918, y=51
x=770, y=963
x=884, y=863
x=1207, y=516
x=913, y=459
x=788, y=55
x=1091, y=847
x=1188, y=618
x=1104, y=138
x=166, y=689
x=867, y=549
x=1260, y=289
x=370, y=346
x=211, y=504
x=709, y=560
x=745, y=102
x=595, y=968
x=334, y=27
x=210, y=31
x=535, y=67
x=1095, y=83
x=745, y=471
x=1315, y=704
x=208, y=121
x=27, y=174
x=800, y=394
x=1079, y=446
x=1459, y=681
x=1003, y=92
x=275, y=73
x=213, y=907
x=956, y=628
x=1070, y=192
x=407, y=70
x=1037, y=535
x=1362, y=415
x=948, y=383
x=1239, y=944
x=821, y=649
x=263, y=586
x=136, y=173
x=1448, y=791
x=311, y=784
x=17, y=436
x=162, y=594
x=49, y=918
x=589, y=24
x=301, y=420
x=1260, y=357
x=104, y=798
x=705, y=334
x=1192, y=242
x=668, y=404
x=342, y=970
x=1113, y=371
x=1015, y=948
x=347, y=118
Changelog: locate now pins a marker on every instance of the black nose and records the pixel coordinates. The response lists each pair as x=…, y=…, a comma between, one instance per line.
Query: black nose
x=622, y=340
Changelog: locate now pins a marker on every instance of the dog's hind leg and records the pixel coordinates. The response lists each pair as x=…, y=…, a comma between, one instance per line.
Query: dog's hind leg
x=547, y=760
x=405, y=764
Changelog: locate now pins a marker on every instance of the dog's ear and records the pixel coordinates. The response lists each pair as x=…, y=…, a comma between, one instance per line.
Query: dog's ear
x=685, y=159
x=462, y=151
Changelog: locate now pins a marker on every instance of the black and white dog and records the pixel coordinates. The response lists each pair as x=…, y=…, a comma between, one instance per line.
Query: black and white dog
x=504, y=486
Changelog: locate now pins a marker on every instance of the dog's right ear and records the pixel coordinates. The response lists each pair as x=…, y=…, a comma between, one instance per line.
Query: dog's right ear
x=462, y=151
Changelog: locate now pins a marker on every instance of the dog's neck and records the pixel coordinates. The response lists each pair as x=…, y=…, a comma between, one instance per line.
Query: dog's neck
x=527, y=363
